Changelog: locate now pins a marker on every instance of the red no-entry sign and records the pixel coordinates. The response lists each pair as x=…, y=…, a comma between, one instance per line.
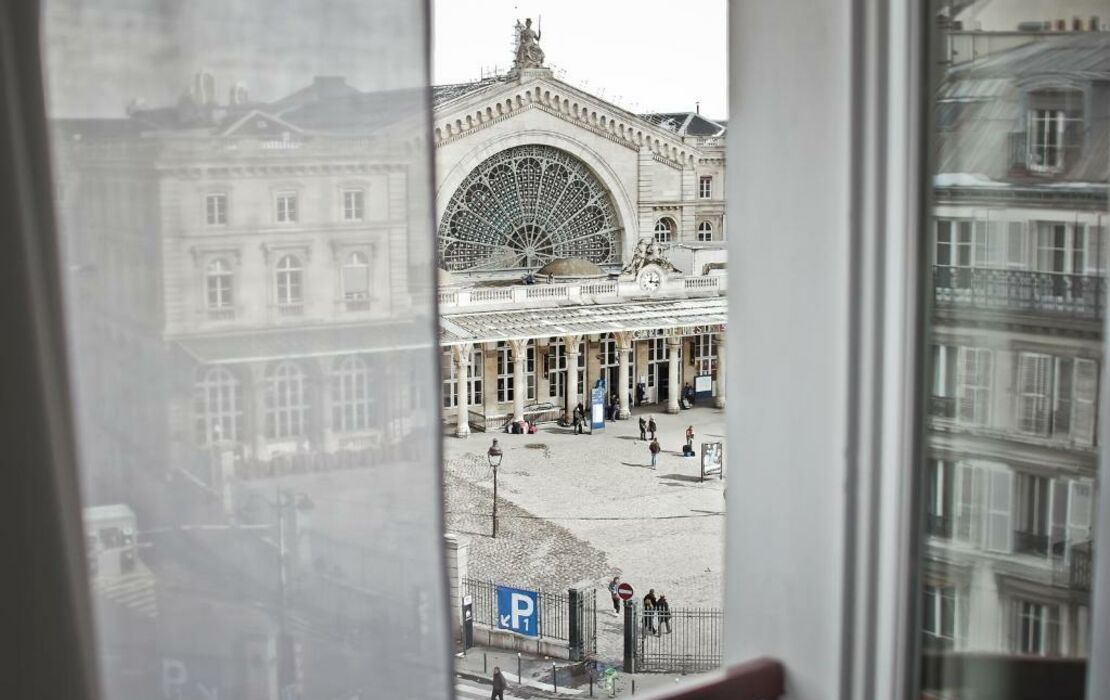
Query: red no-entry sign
x=624, y=591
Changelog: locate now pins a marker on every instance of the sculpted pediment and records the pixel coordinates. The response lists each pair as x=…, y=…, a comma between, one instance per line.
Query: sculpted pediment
x=469, y=113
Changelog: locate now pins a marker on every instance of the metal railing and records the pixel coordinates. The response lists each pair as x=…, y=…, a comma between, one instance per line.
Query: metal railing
x=552, y=618
x=942, y=406
x=678, y=640
x=1079, y=296
x=1079, y=574
x=938, y=525
x=1029, y=543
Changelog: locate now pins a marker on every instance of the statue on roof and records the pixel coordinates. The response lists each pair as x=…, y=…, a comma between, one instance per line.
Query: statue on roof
x=528, y=51
x=648, y=253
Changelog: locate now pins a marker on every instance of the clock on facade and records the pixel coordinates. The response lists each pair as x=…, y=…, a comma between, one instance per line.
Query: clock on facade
x=650, y=278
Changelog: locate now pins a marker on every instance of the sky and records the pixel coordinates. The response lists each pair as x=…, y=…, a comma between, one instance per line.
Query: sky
x=643, y=55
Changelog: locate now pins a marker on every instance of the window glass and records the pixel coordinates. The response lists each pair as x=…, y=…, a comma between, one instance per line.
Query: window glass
x=261, y=495
x=1015, y=345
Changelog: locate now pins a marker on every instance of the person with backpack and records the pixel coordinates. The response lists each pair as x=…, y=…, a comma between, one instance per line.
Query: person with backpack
x=643, y=428
x=655, y=449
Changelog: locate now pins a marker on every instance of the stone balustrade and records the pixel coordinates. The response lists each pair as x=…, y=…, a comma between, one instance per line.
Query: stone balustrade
x=592, y=292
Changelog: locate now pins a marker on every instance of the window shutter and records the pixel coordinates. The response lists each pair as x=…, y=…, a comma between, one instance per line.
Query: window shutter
x=1016, y=245
x=1085, y=392
x=1058, y=518
x=969, y=496
x=999, y=506
x=1033, y=393
x=1079, y=512
x=1061, y=409
x=973, y=385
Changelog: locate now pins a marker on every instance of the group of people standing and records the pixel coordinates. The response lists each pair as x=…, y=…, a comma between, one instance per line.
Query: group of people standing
x=656, y=611
x=649, y=427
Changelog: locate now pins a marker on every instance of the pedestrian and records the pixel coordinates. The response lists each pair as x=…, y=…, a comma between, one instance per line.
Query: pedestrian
x=663, y=609
x=616, y=596
x=651, y=426
x=655, y=449
x=649, y=612
x=643, y=428
x=579, y=418
x=499, y=685
x=690, y=436
x=614, y=406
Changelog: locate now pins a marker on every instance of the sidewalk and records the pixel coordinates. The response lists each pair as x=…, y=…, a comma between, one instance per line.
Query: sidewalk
x=571, y=678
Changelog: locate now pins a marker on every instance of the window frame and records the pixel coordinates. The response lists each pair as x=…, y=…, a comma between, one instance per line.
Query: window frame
x=705, y=187
x=222, y=216
x=287, y=207
x=664, y=225
x=705, y=232
x=357, y=212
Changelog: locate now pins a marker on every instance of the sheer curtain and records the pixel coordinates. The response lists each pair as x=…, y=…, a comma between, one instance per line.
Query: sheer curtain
x=258, y=448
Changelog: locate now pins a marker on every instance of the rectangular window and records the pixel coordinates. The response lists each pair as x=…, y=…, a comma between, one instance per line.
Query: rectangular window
x=939, y=498
x=505, y=372
x=939, y=616
x=1046, y=139
x=1038, y=628
x=1031, y=522
x=287, y=207
x=705, y=187
x=1033, y=393
x=1057, y=396
x=354, y=205
x=450, y=380
x=215, y=209
x=973, y=386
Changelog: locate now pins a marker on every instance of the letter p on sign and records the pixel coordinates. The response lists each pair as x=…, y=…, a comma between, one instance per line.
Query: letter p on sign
x=518, y=611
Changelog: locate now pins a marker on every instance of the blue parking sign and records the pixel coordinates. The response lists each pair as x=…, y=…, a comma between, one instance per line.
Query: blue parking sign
x=518, y=611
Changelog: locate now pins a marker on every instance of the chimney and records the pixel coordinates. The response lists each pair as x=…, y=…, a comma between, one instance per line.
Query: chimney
x=697, y=108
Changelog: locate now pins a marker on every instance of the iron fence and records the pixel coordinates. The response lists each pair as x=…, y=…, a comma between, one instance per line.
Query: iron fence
x=678, y=640
x=1078, y=296
x=552, y=618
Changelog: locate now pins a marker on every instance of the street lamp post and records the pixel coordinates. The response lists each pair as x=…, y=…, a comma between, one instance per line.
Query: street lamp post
x=494, y=455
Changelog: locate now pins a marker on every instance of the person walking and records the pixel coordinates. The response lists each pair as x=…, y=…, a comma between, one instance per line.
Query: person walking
x=499, y=685
x=616, y=596
x=655, y=449
x=649, y=612
x=663, y=610
x=651, y=426
x=579, y=418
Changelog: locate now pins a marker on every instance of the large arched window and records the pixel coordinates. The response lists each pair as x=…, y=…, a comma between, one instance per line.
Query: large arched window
x=217, y=283
x=525, y=206
x=290, y=288
x=351, y=398
x=356, y=277
x=217, y=406
x=705, y=231
x=664, y=230
x=287, y=408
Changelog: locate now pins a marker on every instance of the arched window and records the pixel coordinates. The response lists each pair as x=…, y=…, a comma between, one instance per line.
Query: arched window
x=287, y=408
x=705, y=231
x=664, y=230
x=350, y=394
x=356, y=277
x=217, y=283
x=290, y=290
x=217, y=406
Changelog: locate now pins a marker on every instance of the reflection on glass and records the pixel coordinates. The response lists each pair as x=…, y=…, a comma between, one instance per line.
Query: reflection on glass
x=1018, y=259
x=251, y=313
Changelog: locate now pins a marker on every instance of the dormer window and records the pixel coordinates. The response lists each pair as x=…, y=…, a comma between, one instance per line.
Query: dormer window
x=1054, y=125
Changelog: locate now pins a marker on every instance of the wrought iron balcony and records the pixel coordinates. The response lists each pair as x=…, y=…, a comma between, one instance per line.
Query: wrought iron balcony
x=1028, y=543
x=942, y=406
x=1078, y=296
x=938, y=525
x=1080, y=570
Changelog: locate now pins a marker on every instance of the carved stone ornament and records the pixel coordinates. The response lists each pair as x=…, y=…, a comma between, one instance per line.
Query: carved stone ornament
x=528, y=51
x=648, y=253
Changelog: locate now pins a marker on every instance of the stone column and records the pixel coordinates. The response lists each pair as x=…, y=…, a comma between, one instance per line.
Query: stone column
x=624, y=349
x=460, y=355
x=570, y=346
x=258, y=410
x=721, y=382
x=674, y=343
x=457, y=560
x=520, y=384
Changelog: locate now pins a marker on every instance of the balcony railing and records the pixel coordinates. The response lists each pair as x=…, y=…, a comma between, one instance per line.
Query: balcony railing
x=1079, y=296
x=942, y=406
x=1080, y=569
x=938, y=525
x=1029, y=543
x=604, y=291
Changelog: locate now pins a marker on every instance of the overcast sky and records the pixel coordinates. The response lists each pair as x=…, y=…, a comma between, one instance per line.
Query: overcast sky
x=645, y=55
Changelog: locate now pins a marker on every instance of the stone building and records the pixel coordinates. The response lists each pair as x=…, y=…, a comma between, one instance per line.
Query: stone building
x=237, y=263
x=1019, y=293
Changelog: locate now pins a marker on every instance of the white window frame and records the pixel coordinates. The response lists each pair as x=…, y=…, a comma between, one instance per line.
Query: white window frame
x=216, y=209
x=664, y=230
x=353, y=395
x=287, y=207
x=354, y=204
x=218, y=406
x=474, y=379
x=557, y=368
x=705, y=187
x=1042, y=623
x=506, y=377
x=287, y=401
x=355, y=262
x=219, y=285
x=1044, y=126
x=932, y=619
x=705, y=232
x=289, y=281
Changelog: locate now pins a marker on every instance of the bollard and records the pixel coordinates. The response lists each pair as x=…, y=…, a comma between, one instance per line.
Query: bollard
x=633, y=686
x=485, y=664
x=591, y=685
x=554, y=680
x=519, y=675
